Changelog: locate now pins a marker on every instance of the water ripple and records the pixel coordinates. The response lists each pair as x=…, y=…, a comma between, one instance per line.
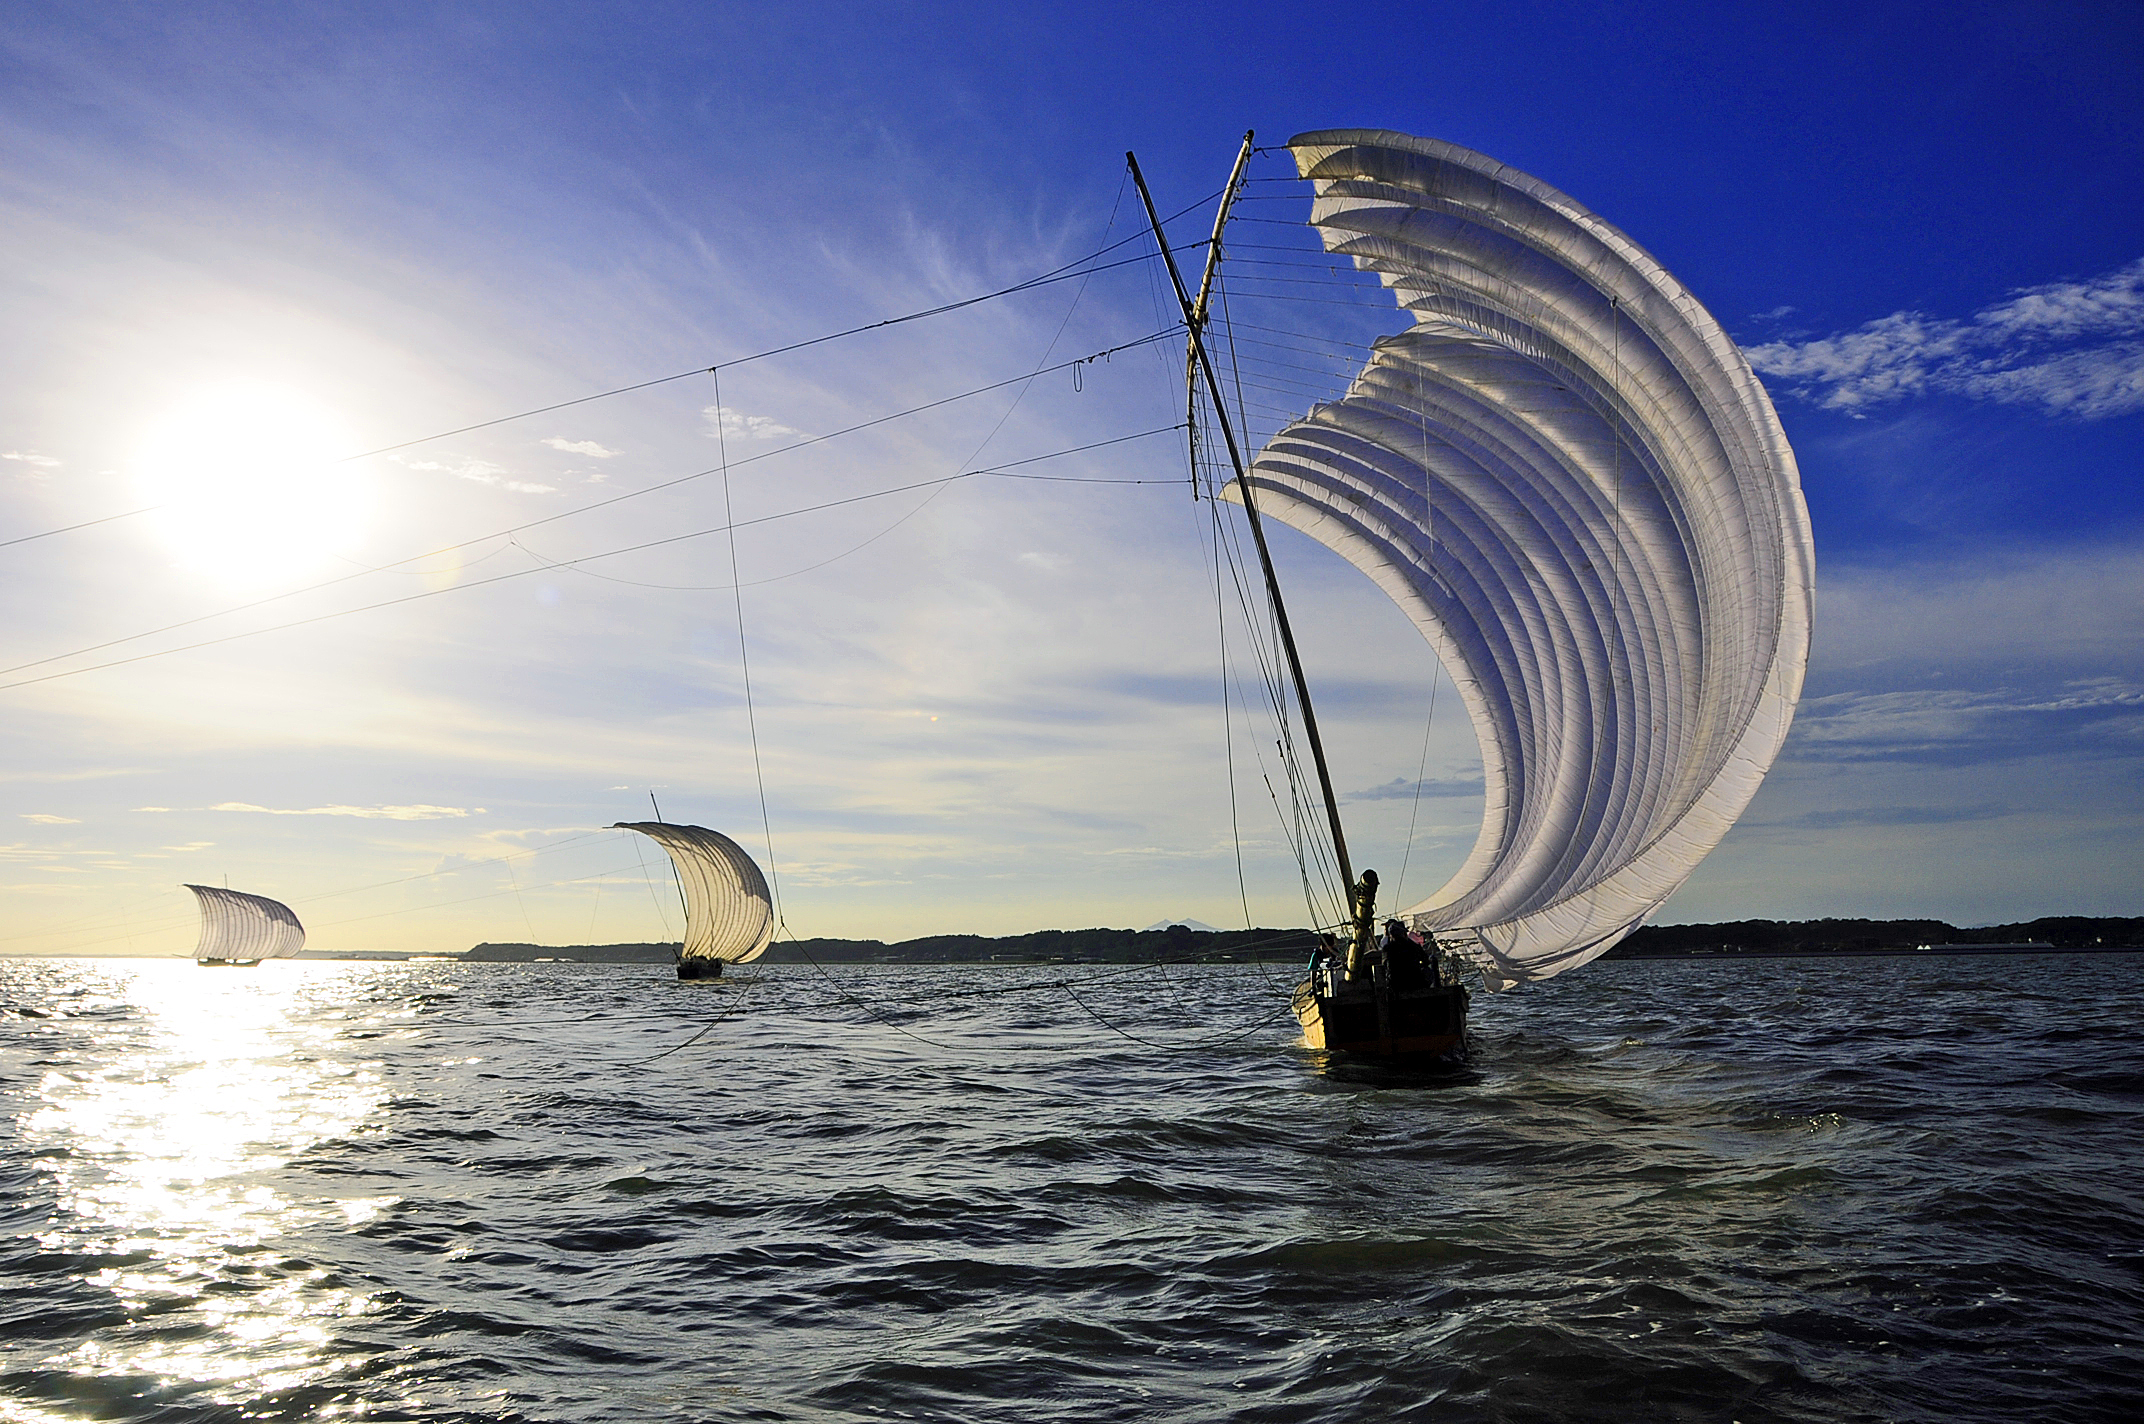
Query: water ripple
x=1785, y=1191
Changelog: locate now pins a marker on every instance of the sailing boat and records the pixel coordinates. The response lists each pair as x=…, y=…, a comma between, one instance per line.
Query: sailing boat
x=240, y=930
x=1568, y=477
x=729, y=916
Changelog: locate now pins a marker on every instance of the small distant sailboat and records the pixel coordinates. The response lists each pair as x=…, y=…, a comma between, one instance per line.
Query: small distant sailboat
x=729, y=915
x=240, y=930
x=1568, y=477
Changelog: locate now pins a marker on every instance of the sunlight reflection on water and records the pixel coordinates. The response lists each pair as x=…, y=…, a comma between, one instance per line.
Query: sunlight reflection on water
x=1787, y=1191
x=156, y=1136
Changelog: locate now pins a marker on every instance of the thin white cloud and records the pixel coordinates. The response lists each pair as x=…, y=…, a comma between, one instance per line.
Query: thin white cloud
x=2069, y=348
x=23, y=851
x=736, y=425
x=374, y=813
x=40, y=818
x=527, y=832
x=160, y=810
x=1399, y=788
x=482, y=472
x=579, y=447
x=1967, y=725
x=30, y=457
x=86, y=774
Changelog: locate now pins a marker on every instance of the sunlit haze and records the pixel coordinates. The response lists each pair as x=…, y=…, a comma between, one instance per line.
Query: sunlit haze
x=248, y=485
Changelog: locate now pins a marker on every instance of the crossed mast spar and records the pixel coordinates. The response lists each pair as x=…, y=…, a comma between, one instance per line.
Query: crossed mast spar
x=1194, y=313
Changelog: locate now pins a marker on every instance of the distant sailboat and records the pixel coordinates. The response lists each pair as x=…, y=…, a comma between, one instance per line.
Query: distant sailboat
x=1567, y=476
x=729, y=916
x=240, y=930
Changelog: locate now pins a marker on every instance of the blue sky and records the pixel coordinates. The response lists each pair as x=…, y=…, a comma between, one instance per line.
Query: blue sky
x=991, y=708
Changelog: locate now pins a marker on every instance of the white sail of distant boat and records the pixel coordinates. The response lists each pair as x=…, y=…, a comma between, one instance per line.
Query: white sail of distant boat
x=729, y=915
x=1567, y=476
x=237, y=928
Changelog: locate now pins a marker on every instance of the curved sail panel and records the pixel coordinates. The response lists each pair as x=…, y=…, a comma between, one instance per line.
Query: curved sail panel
x=728, y=913
x=1568, y=477
x=238, y=926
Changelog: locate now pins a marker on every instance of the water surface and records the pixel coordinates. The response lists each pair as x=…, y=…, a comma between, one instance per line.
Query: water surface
x=1781, y=1190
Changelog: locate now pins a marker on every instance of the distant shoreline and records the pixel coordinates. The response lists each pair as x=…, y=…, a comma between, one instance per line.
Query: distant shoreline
x=1177, y=944
x=1920, y=951
x=1015, y=962
x=1742, y=939
x=593, y=954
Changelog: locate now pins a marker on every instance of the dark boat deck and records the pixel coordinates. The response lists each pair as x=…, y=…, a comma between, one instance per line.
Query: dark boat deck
x=1373, y=1021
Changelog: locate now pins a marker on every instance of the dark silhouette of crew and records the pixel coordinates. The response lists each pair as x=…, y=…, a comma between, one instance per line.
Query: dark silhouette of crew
x=1406, y=960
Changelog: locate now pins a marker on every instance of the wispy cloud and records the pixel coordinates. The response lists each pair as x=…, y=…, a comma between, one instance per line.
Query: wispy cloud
x=373, y=813
x=735, y=424
x=2069, y=348
x=579, y=447
x=43, y=855
x=1967, y=727
x=1399, y=788
x=482, y=472
x=1831, y=820
x=40, y=818
x=31, y=458
x=94, y=773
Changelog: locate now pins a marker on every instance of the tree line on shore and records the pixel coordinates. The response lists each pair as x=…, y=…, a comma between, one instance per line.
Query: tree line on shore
x=1179, y=944
x=1758, y=937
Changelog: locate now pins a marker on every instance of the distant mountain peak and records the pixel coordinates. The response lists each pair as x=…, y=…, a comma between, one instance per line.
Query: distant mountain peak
x=1187, y=924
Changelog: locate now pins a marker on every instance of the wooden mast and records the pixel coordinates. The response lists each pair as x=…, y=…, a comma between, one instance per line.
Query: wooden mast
x=1194, y=322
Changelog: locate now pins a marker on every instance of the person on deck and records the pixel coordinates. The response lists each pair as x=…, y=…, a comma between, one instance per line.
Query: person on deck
x=1409, y=962
x=1325, y=963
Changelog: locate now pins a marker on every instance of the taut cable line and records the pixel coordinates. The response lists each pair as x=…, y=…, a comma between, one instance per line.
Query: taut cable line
x=85, y=524
x=1062, y=274
x=1076, y=268
x=520, y=528
x=1250, y=510
x=995, y=472
x=744, y=651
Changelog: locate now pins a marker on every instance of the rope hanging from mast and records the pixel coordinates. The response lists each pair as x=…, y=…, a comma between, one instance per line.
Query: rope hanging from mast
x=1194, y=321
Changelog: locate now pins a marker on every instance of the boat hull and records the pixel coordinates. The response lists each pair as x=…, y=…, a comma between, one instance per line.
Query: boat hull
x=1415, y=1024
x=226, y=963
x=699, y=969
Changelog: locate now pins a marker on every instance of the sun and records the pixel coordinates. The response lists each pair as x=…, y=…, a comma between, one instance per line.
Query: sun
x=251, y=484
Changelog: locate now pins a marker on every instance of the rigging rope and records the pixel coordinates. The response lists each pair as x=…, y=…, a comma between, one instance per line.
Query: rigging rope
x=1072, y=993
x=1064, y=273
x=85, y=524
x=1429, y=528
x=736, y=1008
x=1276, y=694
x=997, y=472
x=744, y=654
x=730, y=521
x=479, y=583
x=654, y=899
x=1061, y=274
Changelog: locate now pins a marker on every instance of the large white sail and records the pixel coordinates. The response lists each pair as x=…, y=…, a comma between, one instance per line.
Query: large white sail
x=1568, y=477
x=728, y=913
x=237, y=927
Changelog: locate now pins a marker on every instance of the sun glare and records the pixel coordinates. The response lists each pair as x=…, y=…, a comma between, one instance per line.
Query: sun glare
x=248, y=485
